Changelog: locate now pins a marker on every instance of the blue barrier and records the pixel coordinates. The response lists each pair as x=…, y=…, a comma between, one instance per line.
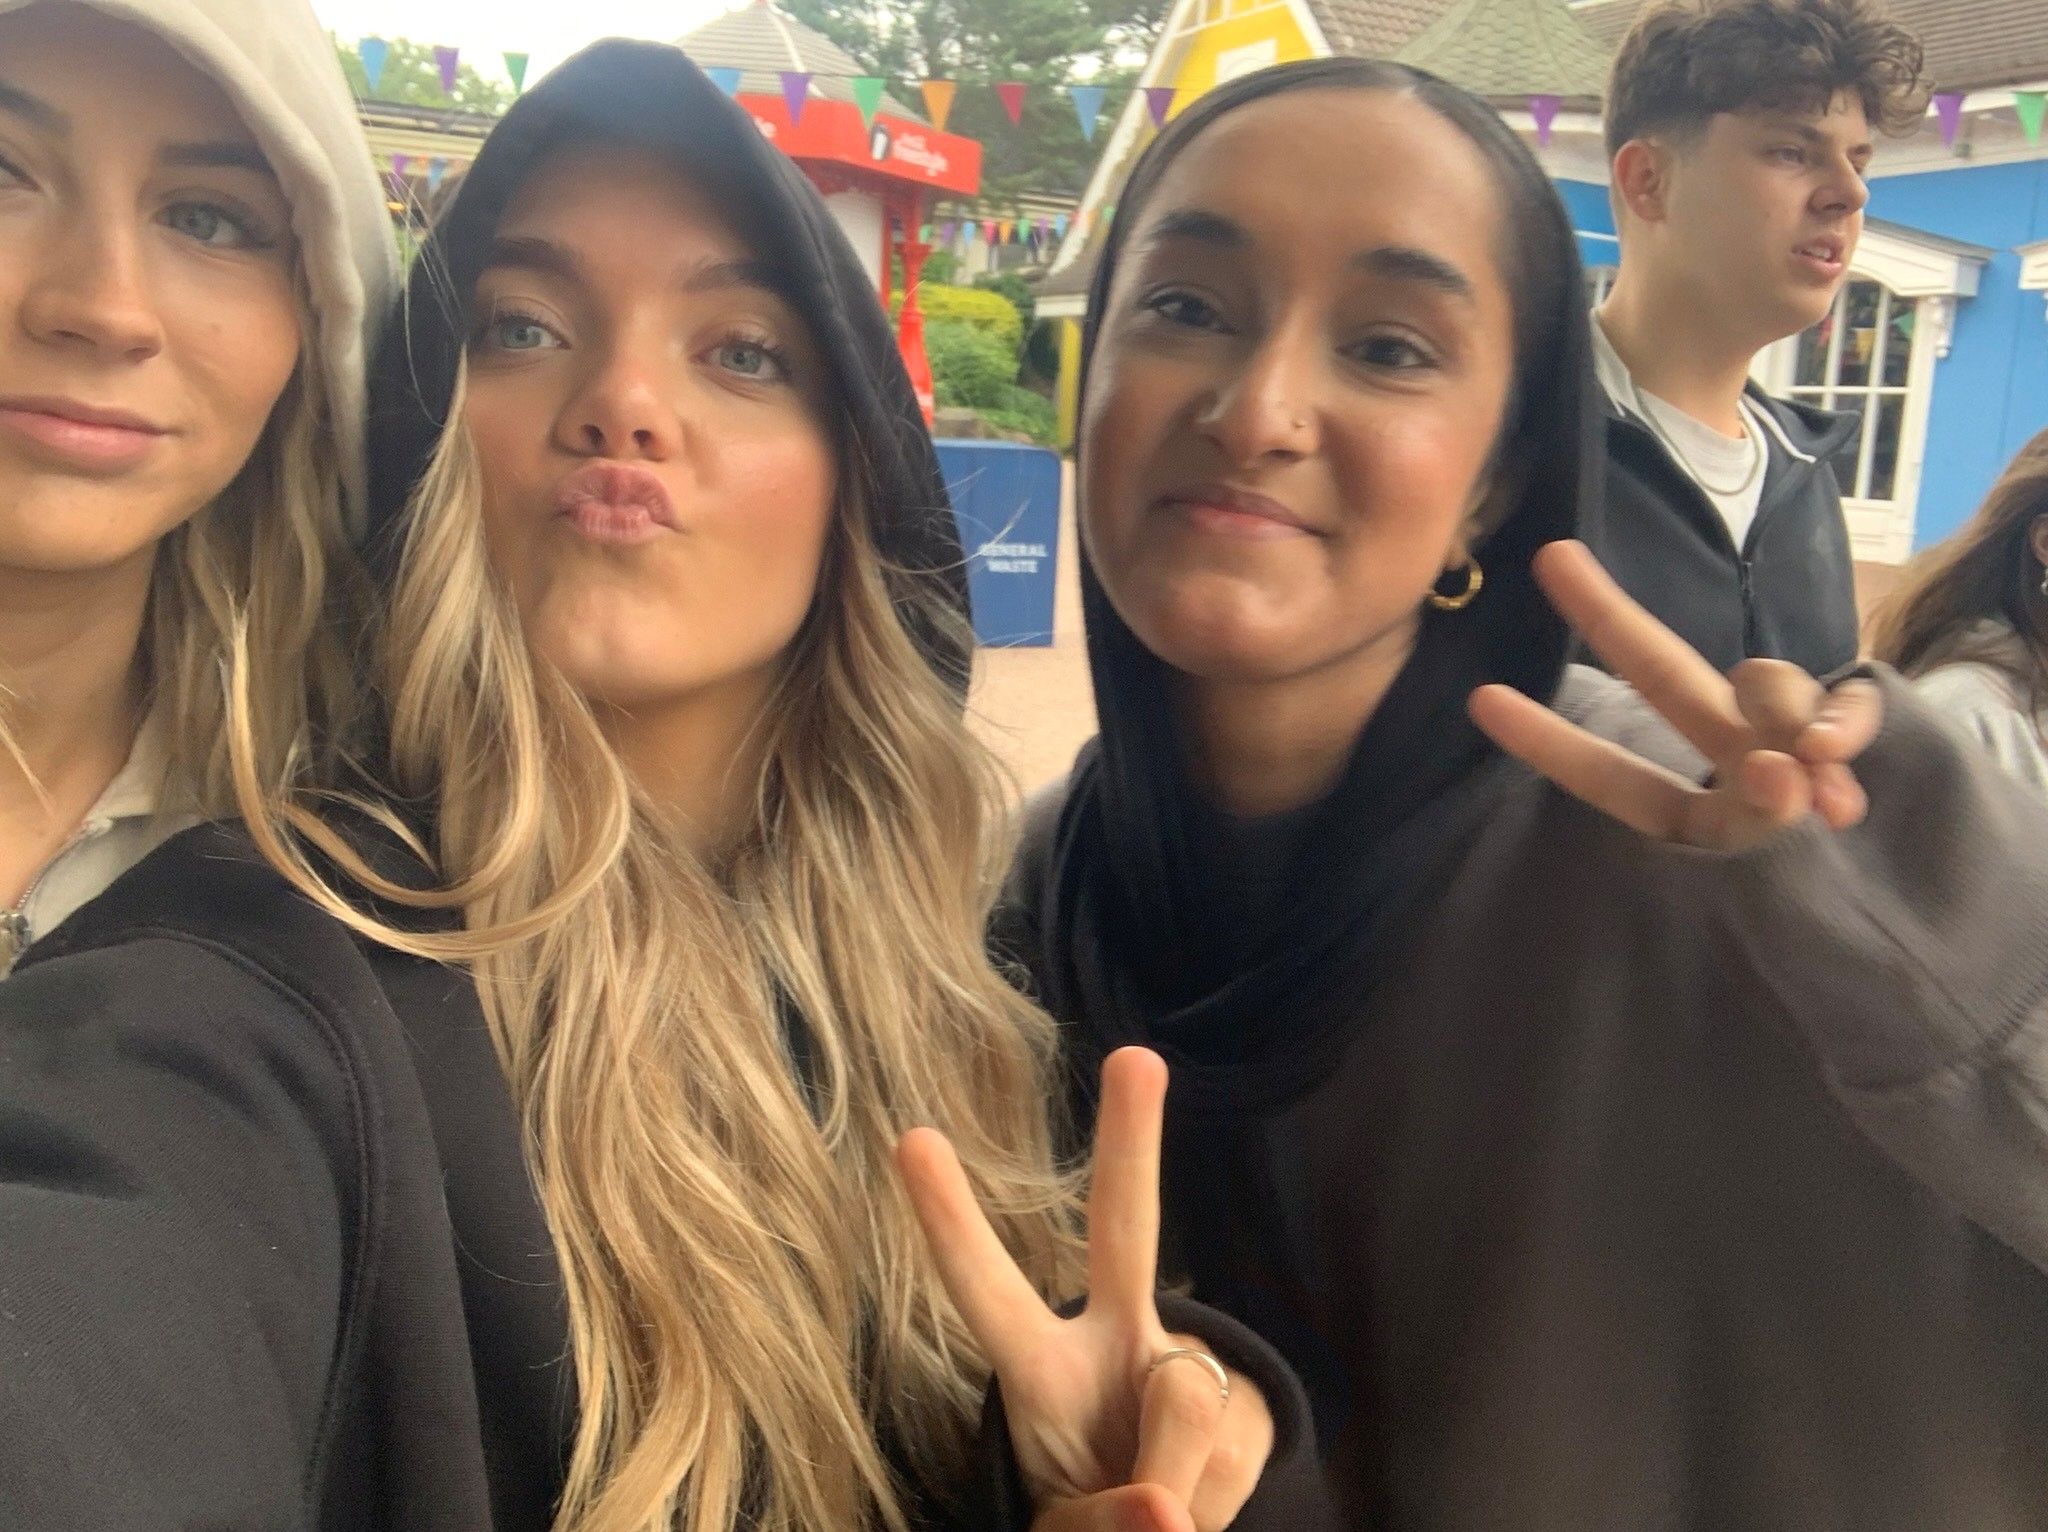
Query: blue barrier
x=1007, y=499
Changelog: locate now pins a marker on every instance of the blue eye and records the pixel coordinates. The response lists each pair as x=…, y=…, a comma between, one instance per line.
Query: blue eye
x=210, y=224
x=518, y=332
x=752, y=359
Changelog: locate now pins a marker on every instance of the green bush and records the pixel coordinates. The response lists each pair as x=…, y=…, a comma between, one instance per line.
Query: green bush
x=1041, y=362
x=1022, y=410
x=989, y=312
x=1014, y=290
x=970, y=365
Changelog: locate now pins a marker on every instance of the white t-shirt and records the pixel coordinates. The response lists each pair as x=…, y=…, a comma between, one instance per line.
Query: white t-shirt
x=118, y=831
x=1707, y=457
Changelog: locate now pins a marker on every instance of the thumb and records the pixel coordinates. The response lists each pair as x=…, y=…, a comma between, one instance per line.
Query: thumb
x=1132, y=1508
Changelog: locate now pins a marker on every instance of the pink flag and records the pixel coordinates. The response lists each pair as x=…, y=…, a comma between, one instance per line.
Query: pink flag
x=1159, y=101
x=1013, y=100
x=1948, y=110
x=1544, y=110
x=796, y=90
x=445, y=60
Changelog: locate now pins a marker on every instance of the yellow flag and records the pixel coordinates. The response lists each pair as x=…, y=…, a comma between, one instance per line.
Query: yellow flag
x=938, y=101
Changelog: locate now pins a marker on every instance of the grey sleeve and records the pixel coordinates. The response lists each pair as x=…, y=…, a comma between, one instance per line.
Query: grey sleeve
x=1912, y=953
x=1980, y=706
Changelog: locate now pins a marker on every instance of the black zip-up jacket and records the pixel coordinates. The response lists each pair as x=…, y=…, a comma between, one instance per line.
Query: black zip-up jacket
x=1788, y=593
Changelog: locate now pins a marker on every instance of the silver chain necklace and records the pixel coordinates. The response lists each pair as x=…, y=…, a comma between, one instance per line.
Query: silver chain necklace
x=1678, y=453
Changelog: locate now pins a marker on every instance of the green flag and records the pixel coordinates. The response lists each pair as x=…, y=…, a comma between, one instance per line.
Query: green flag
x=515, y=66
x=867, y=94
x=2031, y=105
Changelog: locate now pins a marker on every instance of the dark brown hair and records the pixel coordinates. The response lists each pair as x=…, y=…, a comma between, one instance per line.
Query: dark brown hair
x=1987, y=569
x=1686, y=61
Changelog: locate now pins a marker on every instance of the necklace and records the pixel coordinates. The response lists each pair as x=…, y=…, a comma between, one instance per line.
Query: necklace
x=1741, y=486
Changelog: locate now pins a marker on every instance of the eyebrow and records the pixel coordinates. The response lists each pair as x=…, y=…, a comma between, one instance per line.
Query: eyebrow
x=34, y=110
x=532, y=253
x=219, y=156
x=1398, y=263
x=224, y=155
x=1812, y=135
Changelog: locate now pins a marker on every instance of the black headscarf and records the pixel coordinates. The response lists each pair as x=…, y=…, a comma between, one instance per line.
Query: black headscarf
x=1257, y=1006
x=650, y=96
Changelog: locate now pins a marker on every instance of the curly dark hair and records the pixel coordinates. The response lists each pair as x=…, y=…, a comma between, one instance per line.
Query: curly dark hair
x=1685, y=61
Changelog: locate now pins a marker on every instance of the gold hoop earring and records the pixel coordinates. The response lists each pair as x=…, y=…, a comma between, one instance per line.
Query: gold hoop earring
x=1475, y=581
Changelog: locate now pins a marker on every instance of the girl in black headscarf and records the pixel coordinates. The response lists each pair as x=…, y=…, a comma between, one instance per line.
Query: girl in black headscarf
x=1559, y=1147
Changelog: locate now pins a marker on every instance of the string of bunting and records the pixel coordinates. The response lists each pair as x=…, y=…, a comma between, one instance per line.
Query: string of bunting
x=940, y=96
x=374, y=54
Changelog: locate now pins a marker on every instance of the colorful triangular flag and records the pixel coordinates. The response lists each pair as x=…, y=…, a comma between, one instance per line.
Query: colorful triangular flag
x=989, y=230
x=1087, y=107
x=1948, y=111
x=1012, y=94
x=437, y=172
x=2032, y=106
x=1159, y=101
x=867, y=95
x=1543, y=112
x=726, y=79
x=373, y=51
x=445, y=60
x=515, y=66
x=1059, y=225
x=1006, y=229
x=938, y=101
x=796, y=90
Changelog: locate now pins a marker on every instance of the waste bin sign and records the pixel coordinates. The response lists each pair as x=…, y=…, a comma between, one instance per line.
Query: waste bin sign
x=1007, y=499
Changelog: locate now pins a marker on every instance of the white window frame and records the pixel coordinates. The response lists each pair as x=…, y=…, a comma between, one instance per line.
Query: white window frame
x=2034, y=268
x=1938, y=276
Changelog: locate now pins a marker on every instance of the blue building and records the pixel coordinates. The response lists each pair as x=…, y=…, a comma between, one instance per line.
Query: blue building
x=1940, y=337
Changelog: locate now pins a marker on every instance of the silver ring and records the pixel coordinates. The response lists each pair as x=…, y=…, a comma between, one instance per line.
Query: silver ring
x=1192, y=1354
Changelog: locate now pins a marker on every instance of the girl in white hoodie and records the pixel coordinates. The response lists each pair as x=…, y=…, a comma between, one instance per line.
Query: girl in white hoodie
x=192, y=246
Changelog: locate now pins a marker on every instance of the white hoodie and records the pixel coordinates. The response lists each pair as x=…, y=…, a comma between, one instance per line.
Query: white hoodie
x=277, y=65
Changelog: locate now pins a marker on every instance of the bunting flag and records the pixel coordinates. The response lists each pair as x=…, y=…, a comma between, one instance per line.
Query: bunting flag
x=1006, y=229
x=988, y=230
x=1543, y=110
x=1159, y=101
x=947, y=230
x=515, y=66
x=867, y=95
x=437, y=172
x=373, y=51
x=1059, y=225
x=938, y=101
x=727, y=80
x=1012, y=94
x=445, y=60
x=2032, y=106
x=796, y=90
x=400, y=163
x=1948, y=110
x=1087, y=107
x=924, y=234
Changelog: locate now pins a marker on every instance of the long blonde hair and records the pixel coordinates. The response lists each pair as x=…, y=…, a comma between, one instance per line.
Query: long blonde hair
x=1986, y=570
x=751, y=1306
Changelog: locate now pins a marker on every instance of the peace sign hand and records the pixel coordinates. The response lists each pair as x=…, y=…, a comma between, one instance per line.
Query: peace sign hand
x=1089, y=1410
x=1781, y=744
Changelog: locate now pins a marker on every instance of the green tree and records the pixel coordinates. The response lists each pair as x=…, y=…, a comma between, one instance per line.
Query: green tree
x=412, y=78
x=1045, y=44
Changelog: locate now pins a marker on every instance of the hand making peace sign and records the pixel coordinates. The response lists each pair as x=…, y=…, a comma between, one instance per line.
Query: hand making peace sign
x=1094, y=1416
x=1781, y=744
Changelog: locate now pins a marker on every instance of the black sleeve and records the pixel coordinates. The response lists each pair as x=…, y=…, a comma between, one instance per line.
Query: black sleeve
x=1292, y=1494
x=180, y=1171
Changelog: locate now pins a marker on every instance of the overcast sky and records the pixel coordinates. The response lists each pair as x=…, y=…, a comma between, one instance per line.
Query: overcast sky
x=550, y=30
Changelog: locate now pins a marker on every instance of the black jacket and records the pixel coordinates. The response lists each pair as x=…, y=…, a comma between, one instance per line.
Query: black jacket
x=1788, y=593
x=270, y=1256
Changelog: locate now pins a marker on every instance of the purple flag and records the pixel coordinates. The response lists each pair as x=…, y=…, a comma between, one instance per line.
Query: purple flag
x=796, y=90
x=1948, y=109
x=445, y=60
x=1159, y=101
x=1544, y=110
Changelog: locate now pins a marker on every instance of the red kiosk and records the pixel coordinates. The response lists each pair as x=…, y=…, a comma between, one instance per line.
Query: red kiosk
x=877, y=175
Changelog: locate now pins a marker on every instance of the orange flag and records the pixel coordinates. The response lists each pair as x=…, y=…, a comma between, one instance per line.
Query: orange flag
x=938, y=101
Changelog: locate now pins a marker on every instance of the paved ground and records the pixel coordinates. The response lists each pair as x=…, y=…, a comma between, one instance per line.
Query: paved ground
x=1035, y=706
